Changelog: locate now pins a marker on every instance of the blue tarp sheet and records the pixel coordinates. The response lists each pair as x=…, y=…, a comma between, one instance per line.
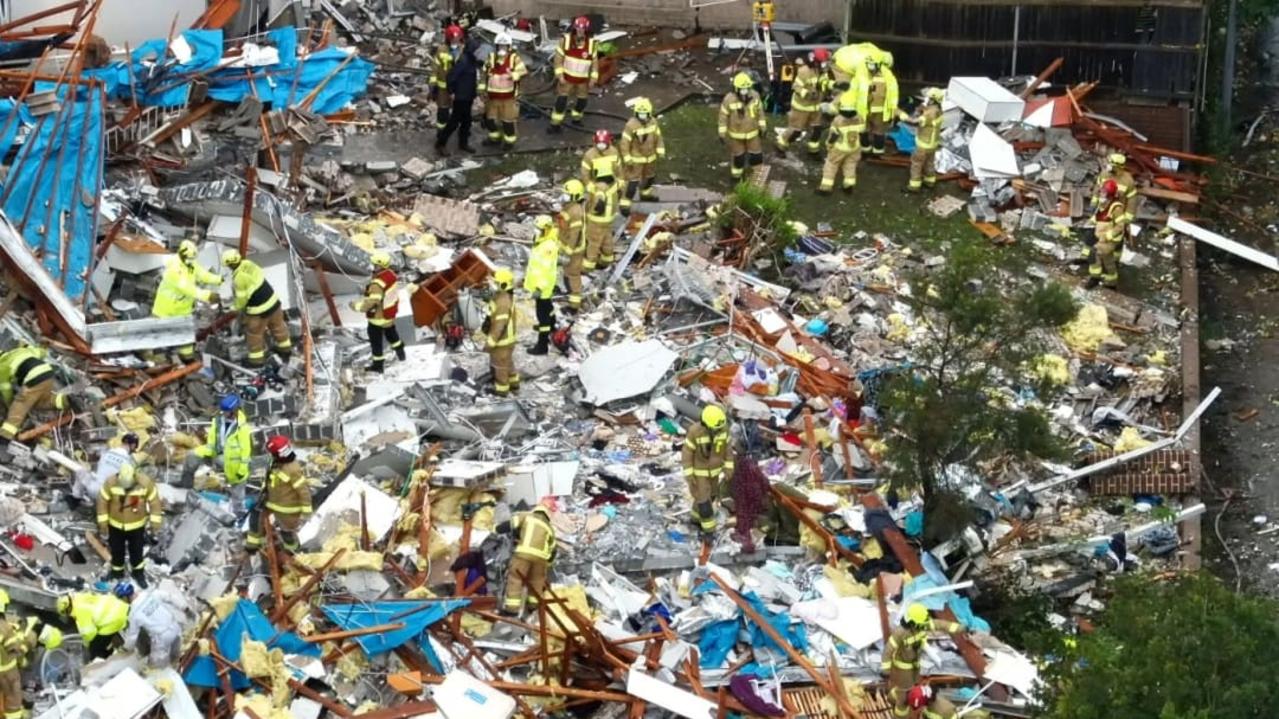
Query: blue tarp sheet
x=424, y=614
x=903, y=138
x=248, y=620
x=274, y=84
x=934, y=577
x=718, y=637
x=717, y=640
x=52, y=187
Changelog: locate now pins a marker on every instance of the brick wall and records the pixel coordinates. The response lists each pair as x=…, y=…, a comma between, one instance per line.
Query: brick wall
x=675, y=13
x=1166, y=472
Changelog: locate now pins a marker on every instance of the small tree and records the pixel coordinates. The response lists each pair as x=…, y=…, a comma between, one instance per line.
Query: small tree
x=984, y=332
x=1184, y=649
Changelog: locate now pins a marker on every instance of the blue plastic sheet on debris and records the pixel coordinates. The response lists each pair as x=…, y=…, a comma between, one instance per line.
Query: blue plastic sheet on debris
x=51, y=190
x=246, y=620
x=283, y=84
x=914, y=523
x=415, y=618
x=934, y=577
x=903, y=138
x=718, y=637
x=716, y=642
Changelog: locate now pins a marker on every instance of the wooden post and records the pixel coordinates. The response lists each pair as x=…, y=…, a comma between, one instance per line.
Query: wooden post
x=246, y=221
x=350, y=633
x=327, y=293
x=281, y=612
x=814, y=458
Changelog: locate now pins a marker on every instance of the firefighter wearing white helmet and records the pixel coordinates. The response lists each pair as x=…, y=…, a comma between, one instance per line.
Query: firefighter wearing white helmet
x=380, y=305
x=260, y=309
x=503, y=70
x=181, y=286
x=927, y=121
x=741, y=125
x=500, y=331
x=707, y=459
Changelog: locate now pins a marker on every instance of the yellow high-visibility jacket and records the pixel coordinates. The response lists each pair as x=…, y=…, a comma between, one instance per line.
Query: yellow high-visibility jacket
x=235, y=444
x=180, y=288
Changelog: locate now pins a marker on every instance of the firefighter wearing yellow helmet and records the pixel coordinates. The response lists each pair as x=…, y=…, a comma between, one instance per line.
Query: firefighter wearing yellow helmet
x=380, y=304
x=905, y=649
x=182, y=284
x=707, y=459
x=260, y=309
x=878, y=101
x=923, y=169
x=742, y=125
x=843, y=146
x=500, y=333
x=641, y=147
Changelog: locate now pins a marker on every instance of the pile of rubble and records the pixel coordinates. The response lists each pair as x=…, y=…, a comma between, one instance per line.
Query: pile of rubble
x=387, y=607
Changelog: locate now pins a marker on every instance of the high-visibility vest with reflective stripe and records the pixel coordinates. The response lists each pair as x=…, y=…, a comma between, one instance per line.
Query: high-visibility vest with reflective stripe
x=741, y=119
x=879, y=91
x=129, y=509
x=180, y=288
x=847, y=133
x=572, y=223
x=98, y=614
x=600, y=164
x=577, y=61
x=22, y=367
x=501, y=320
x=500, y=77
x=443, y=63
x=537, y=537
x=253, y=294
x=384, y=289
x=929, y=128
x=236, y=447
x=543, y=261
x=641, y=142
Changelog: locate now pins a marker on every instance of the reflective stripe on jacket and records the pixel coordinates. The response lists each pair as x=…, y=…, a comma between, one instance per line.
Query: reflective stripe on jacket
x=929, y=133
x=234, y=443
x=22, y=367
x=287, y=489
x=130, y=509
x=806, y=89
x=543, y=262
x=641, y=142
x=845, y=133
x=576, y=63
x=253, y=294
x=572, y=221
x=501, y=79
x=501, y=320
x=705, y=452
x=600, y=165
x=180, y=288
x=537, y=537
x=601, y=207
x=741, y=119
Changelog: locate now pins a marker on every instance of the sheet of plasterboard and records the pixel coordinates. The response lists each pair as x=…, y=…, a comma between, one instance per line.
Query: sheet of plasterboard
x=852, y=620
x=178, y=703
x=529, y=483
x=462, y=696
x=992, y=156
x=625, y=370
x=120, y=259
x=226, y=230
x=1012, y=669
x=381, y=510
x=985, y=99
x=465, y=472
x=669, y=697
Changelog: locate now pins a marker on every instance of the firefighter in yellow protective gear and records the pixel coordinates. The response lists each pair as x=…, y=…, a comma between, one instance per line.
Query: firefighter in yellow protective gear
x=381, y=305
x=98, y=617
x=601, y=211
x=576, y=69
x=180, y=288
x=540, y=276
x=229, y=443
x=500, y=334
x=923, y=170
x=128, y=502
x=742, y=124
x=571, y=222
x=1109, y=233
x=807, y=91
x=288, y=498
x=905, y=649
x=530, y=561
x=1117, y=170
x=641, y=147
x=843, y=146
x=500, y=80
x=446, y=55
x=14, y=645
x=262, y=311
x=27, y=383
x=877, y=102
x=601, y=163
x=924, y=703
x=707, y=458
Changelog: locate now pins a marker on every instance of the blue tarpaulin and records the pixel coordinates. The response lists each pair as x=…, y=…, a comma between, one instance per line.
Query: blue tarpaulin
x=903, y=138
x=245, y=620
x=716, y=641
x=281, y=85
x=718, y=637
x=51, y=191
x=934, y=577
x=415, y=617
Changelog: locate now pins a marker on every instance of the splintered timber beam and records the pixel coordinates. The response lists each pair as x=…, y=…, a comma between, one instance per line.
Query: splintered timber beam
x=150, y=384
x=349, y=633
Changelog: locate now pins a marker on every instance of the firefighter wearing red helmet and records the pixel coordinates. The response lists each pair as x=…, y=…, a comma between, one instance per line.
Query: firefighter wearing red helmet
x=924, y=703
x=577, y=67
x=287, y=498
x=1108, y=236
x=446, y=55
x=601, y=173
x=807, y=92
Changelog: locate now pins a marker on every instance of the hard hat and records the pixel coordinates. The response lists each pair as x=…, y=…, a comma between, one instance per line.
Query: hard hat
x=742, y=81
x=917, y=614
x=64, y=604
x=643, y=106
x=603, y=137
x=848, y=101
x=575, y=189
x=186, y=250
x=543, y=222
x=582, y=23
x=4, y=600
x=230, y=403
x=126, y=475
x=453, y=32
x=919, y=696
x=713, y=417
x=123, y=590
x=279, y=445
x=231, y=258
x=503, y=39
x=1110, y=188
x=50, y=637
x=1118, y=159
x=131, y=439
x=504, y=278
x=936, y=94
x=380, y=259
x=821, y=54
